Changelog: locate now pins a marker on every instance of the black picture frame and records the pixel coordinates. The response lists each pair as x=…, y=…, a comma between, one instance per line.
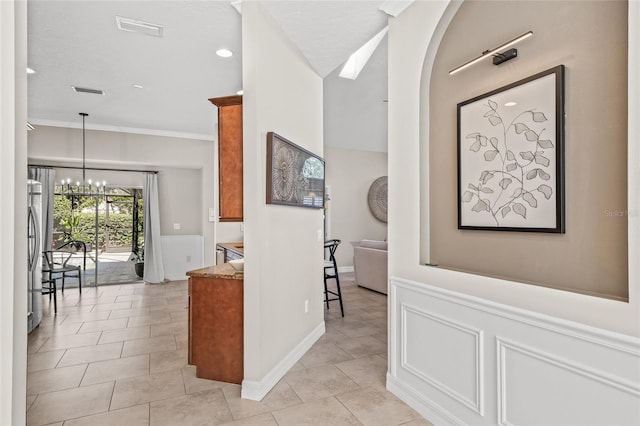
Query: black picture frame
x=295, y=176
x=511, y=157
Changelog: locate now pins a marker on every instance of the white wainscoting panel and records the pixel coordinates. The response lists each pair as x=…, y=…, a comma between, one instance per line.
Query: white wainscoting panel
x=180, y=254
x=454, y=366
x=459, y=359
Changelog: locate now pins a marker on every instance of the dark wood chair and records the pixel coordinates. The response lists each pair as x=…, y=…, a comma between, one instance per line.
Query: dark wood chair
x=49, y=288
x=56, y=263
x=331, y=271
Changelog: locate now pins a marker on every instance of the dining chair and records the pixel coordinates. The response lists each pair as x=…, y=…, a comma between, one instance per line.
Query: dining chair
x=331, y=271
x=56, y=263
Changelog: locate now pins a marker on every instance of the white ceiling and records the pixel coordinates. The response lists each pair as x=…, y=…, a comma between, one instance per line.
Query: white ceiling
x=77, y=43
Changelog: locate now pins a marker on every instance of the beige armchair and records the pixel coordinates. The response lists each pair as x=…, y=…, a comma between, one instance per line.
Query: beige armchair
x=370, y=265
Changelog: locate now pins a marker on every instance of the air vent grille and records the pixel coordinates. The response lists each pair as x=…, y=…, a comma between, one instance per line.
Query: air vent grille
x=87, y=90
x=133, y=25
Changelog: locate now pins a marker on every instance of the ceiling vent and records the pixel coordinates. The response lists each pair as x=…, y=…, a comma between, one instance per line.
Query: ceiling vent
x=87, y=90
x=135, y=26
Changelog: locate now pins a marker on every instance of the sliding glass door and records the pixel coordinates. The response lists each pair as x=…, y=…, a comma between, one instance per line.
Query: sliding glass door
x=109, y=224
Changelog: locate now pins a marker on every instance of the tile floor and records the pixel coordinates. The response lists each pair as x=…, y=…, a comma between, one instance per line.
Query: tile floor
x=117, y=356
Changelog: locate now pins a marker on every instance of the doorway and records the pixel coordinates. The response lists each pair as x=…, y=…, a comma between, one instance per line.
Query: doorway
x=110, y=223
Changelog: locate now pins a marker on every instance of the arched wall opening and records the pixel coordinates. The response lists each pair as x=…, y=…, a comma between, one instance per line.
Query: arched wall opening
x=592, y=256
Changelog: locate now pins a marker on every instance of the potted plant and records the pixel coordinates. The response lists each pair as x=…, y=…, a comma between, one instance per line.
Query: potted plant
x=138, y=257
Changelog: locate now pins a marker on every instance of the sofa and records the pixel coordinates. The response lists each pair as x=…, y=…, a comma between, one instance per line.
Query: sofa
x=370, y=265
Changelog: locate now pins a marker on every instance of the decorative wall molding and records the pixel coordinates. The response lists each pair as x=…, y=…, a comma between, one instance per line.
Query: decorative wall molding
x=256, y=390
x=503, y=346
x=531, y=367
x=477, y=404
x=584, y=332
x=118, y=129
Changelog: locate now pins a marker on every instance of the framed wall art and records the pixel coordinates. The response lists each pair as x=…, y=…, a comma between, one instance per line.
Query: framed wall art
x=295, y=176
x=511, y=157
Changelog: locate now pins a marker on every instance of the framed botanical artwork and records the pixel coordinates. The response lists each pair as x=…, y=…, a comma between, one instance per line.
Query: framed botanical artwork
x=511, y=157
x=295, y=176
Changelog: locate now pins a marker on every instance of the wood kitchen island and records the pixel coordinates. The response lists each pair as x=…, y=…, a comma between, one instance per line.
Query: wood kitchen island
x=216, y=320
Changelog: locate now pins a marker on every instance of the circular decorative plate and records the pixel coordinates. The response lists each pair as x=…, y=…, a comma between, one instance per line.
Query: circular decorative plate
x=378, y=199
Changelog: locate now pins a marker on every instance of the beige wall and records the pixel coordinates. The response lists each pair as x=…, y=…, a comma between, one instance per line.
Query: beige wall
x=592, y=256
x=350, y=173
x=185, y=171
x=283, y=254
x=413, y=41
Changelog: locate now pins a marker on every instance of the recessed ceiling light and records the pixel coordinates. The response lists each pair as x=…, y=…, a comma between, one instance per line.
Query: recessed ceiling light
x=224, y=53
x=240, y=92
x=138, y=86
x=512, y=103
x=30, y=71
x=135, y=26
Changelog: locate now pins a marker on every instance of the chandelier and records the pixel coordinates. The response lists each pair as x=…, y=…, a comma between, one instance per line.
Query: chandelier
x=85, y=187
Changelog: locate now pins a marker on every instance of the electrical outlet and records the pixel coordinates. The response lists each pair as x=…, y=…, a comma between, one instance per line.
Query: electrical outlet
x=319, y=236
x=176, y=226
x=242, y=227
x=306, y=306
x=188, y=259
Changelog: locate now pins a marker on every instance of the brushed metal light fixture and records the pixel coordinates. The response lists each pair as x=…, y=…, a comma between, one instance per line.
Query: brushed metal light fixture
x=495, y=53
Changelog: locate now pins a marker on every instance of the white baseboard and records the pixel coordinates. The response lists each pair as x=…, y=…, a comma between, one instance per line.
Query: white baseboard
x=176, y=277
x=427, y=409
x=345, y=269
x=256, y=390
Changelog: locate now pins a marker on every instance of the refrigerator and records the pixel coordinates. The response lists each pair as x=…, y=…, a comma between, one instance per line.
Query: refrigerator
x=34, y=255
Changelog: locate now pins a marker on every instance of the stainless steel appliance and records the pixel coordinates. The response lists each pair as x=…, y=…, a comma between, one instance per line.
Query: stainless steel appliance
x=34, y=233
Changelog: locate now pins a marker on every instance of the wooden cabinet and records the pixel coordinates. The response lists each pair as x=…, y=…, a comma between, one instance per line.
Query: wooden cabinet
x=229, y=157
x=216, y=333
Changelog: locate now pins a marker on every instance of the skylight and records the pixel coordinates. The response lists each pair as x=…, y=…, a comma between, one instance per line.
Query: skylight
x=358, y=60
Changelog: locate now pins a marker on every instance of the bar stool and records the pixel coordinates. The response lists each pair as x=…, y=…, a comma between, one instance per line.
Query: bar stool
x=331, y=271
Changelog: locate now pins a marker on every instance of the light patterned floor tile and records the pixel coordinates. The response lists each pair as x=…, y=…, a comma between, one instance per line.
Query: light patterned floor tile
x=202, y=408
x=324, y=354
x=130, y=416
x=121, y=368
x=94, y=353
x=146, y=346
x=123, y=334
x=321, y=412
x=366, y=370
x=193, y=384
x=102, y=325
x=143, y=389
x=69, y=404
x=363, y=346
x=70, y=341
x=168, y=361
x=281, y=396
x=154, y=384
x=55, y=379
x=375, y=405
x=259, y=420
x=44, y=360
x=319, y=382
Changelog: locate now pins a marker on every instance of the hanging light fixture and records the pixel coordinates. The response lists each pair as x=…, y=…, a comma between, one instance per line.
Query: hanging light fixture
x=86, y=187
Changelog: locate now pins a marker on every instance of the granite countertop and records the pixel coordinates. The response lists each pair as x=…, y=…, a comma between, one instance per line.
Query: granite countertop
x=223, y=271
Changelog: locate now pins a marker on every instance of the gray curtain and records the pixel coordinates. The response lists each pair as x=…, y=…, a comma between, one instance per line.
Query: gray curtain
x=47, y=177
x=153, y=267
